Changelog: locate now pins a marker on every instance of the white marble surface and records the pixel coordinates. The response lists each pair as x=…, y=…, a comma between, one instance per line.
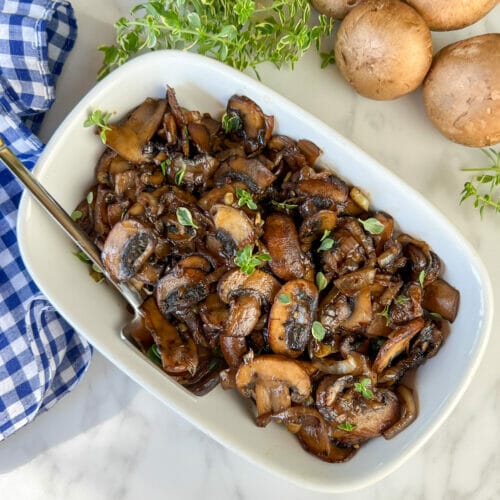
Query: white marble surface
x=110, y=439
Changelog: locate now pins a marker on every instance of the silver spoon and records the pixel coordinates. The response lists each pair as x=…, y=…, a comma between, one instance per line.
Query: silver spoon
x=73, y=231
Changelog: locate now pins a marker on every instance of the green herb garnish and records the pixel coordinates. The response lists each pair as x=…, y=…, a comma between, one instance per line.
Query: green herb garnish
x=76, y=215
x=284, y=298
x=230, y=122
x=154, y=355
x=401, y=299
x=179, y=175
x=327, y=58
x=487, y=177
x=163, y=165
x=245, y=198
x=346, y=426
x=318, y=330
x=321, y=281
x=372, y=225
x=284, y=205
x=386, y=315
x=99, y=119
x=436, y=315
x=421, y=278
x=241, y=33
x=81, y=255
x=247, y=262
x=90, y=197
x=362, y=388
x=185, y=218
x=326, y=242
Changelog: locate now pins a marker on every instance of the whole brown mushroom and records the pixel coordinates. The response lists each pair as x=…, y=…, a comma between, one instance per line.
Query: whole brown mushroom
x=446, y=15
x=383, y=48
x=337, y=9
x=462, y=91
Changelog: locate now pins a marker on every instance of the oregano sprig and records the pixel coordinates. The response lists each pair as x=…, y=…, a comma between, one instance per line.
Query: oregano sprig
x=482, y=188
x=240, y=33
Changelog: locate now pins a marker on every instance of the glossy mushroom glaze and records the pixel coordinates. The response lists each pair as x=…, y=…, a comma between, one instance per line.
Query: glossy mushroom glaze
x=264, y=273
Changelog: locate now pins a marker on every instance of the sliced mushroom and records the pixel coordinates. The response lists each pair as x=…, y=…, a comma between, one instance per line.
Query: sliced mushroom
x=424, y=345
x=180, y=289
x=441, y=298
x=127, y=248
x=213, y=314
x=200, y=136
x=423, y=262
x=315, y=226
x=313, y=433
x=353, y=364
x=352, y=283
x=408, y=305
x=248, y=170
x=362, y=313
x=408, y=411
x=129, y=137
x=282, y=241
x=397, y=343
x=380, y=239
x=391, y=258
x=274, y=382
x=178, y=355
x=331, y=193
x=291, y=317
x=310, y=150
x=225, y=194
x=256, y=127
x=334, y=309
x=197, y=171
x=233, y=223
x=355, y=415
x=247, y=296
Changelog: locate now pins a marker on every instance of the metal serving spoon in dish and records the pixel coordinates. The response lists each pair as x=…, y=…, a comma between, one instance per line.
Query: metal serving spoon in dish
x=58, y=213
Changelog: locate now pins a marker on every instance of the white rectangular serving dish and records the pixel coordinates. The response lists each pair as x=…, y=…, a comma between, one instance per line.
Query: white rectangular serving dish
x=67, y=167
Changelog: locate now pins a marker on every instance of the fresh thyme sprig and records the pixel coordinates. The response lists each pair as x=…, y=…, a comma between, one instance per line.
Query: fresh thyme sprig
x=247, y=261
x=99, y=119
x=482, y=188
x=241, y=33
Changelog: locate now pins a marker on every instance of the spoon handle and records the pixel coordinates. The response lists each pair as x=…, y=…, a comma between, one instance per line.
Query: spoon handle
x=63, y=219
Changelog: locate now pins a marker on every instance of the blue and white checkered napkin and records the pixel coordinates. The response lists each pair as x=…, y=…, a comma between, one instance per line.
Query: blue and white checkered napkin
x=41, y=357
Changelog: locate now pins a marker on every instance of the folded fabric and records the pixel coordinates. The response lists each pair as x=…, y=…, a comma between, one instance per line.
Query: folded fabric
x=41, y=357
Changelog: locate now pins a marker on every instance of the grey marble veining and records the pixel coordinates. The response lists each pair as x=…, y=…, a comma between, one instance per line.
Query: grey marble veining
x=111, y=440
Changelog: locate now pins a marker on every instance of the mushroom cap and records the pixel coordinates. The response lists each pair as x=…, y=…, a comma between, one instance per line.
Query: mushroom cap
x=339, y=403
x=129, y=137
x=259, y=284
x=445, y=15
x=462, y=91
x=273, y=372
x=383, y=48
x=397, y=343
x=256, y=127
x=337, y=9
x=251, y=171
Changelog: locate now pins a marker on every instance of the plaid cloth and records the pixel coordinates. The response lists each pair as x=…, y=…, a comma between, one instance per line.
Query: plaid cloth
x=41, y=357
